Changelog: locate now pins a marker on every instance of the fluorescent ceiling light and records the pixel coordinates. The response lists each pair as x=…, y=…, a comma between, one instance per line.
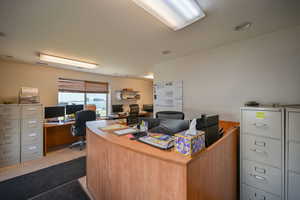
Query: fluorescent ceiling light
x=176, y=14
x=65, y=61
x=149, y=76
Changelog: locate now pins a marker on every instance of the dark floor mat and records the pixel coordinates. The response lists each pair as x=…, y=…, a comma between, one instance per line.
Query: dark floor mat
x=35, y=183
x=68, y=191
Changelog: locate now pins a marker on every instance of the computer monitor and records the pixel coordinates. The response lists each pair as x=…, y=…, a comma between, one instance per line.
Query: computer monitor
x=71, y=109
x=54, y=111
x=117, y=108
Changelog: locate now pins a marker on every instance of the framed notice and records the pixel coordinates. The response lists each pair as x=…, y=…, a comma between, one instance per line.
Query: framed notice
x=168, y=96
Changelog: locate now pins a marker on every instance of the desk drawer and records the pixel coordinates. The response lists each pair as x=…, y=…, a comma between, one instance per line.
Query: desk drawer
x=32, y=137
x=9, y=112
x=293, y=186
x=265, y=150
x=263, y=177
x=32, y=111
x=31, y=152
x=262, y=123
x=29, y=125
x=251, y=193
x=294, y=156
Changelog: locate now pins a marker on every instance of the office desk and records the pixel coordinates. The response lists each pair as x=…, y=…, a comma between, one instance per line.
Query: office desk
x=56, y=134
x=119, y=168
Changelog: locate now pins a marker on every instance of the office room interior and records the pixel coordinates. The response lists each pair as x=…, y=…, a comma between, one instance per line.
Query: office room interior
x=150, y=100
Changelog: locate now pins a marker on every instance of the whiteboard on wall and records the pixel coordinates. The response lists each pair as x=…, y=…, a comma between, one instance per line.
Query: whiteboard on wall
x=168, y=96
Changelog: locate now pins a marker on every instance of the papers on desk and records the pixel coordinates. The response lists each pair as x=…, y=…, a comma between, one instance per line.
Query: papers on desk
x=113, y=127
x=125, y=131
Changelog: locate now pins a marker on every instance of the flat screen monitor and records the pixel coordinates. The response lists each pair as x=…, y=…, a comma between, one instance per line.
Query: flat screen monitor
x=71, y=109
x=54, y=111
x=117, y=108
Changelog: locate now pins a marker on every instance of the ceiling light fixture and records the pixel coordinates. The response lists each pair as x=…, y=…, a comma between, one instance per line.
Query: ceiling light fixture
x=242, y=27
x=176, y=14
x=149, y=76
x=66, y=61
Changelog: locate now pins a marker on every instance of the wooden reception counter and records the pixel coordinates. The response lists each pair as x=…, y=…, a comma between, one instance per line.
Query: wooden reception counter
x=123, y=169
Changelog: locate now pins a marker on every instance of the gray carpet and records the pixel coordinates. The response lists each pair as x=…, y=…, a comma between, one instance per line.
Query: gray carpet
x=30, y=185
x=68, y=191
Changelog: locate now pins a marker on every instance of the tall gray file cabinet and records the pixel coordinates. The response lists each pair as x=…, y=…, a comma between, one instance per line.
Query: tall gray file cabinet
x=262, y=153
x=21, y=133
x=9, y=134
x=292, y=153
x=31, y=132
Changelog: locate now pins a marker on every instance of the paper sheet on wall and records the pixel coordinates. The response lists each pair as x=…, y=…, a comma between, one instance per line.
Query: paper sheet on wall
x=168, y=95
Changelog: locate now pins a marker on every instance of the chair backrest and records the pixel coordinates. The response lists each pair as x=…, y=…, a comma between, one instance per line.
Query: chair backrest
x=170, y=115
x=134, y=109
x=80, y=121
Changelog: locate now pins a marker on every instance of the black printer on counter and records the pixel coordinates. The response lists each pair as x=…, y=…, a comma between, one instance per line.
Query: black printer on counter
x=209, y=123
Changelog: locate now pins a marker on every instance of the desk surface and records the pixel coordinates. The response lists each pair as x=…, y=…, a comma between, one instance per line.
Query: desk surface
x=55, y=124
x=116, y=164
x=124, y=141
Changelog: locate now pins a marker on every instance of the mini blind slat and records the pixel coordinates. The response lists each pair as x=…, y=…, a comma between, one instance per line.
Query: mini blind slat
x=96, y=87
x=69, y=85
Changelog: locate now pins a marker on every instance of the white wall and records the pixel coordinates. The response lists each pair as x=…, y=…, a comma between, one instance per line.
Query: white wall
x=220, y=80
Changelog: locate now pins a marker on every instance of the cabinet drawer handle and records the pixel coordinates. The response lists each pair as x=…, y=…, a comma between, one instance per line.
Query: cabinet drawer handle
x=258, y=151
x=258, y=177
x=260, y=143
x=262, y=196
x=31, y=109
x=260, y=170
x=32, y=135
x=32, y=122
x=260, y=125
x=32, y=148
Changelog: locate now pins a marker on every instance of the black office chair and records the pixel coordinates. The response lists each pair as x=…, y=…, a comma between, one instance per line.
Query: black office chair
x=169, y=115
x=79, y=128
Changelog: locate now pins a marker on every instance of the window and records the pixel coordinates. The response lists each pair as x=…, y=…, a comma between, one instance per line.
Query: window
x=83, y=92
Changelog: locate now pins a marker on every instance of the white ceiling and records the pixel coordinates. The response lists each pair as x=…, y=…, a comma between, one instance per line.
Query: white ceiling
x=124, y=39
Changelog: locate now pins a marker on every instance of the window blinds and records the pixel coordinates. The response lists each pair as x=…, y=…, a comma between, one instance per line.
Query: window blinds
x=71, y=85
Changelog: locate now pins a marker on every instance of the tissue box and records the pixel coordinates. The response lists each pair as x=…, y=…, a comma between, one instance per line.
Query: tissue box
x=189, y=145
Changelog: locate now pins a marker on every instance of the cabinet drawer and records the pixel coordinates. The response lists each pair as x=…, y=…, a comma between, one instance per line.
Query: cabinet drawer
x=250, y=193
x=7, y=139
x=294, y=126
x=263, y=177
x=31, y=137
x=10, y=112
x=12, y=154
x=4, y=163
x=262, y=123
x=265, y=150
x=31, y=152
x=32, y=111
x=29, y=125
x=294, y=156
x=7, y=125
x=10, y=147
x=293, y=186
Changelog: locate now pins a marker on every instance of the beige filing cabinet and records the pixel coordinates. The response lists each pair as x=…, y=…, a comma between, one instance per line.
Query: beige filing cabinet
x=31, y=132
x=292, y=153
x=9, y=134
x=262, y=153
x=21, y=133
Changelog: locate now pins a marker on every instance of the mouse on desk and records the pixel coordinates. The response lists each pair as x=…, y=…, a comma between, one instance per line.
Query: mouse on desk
x=137, y=135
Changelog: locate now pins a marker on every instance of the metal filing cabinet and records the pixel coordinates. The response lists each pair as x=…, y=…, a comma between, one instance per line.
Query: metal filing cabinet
x=292, y=153
x=9, y=134
x=262, y=153
x=31, y=132
x=21, y=133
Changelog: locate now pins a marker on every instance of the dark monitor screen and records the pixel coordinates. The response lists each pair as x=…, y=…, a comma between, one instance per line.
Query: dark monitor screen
x=71, y=109
x=117, y=108
x=54, y=111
